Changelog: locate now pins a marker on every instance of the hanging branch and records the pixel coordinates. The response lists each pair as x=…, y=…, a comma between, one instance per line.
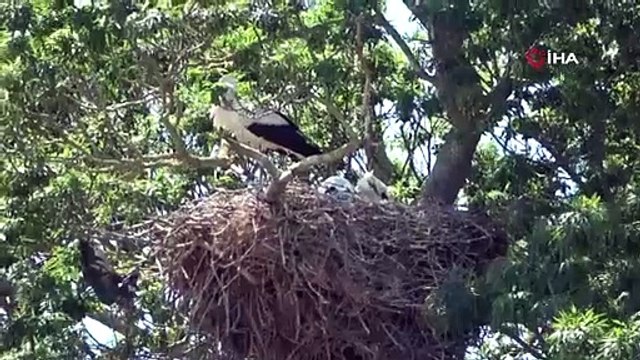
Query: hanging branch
x=413, y=61
x=376, y=155
x=369, y=145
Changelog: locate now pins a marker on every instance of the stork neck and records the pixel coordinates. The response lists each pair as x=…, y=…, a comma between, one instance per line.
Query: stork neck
x=229, y=100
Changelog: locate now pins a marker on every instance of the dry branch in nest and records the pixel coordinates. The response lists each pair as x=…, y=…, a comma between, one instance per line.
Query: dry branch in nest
x=311, y=279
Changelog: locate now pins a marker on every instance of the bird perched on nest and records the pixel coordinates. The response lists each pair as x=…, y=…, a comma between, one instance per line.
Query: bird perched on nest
x=108, y=285
x=372, y=189
x=338, y=188
x=263, y=130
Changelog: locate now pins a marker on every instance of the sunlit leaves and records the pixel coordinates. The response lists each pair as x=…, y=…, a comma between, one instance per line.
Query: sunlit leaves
x=59, y=263
x=590, y=335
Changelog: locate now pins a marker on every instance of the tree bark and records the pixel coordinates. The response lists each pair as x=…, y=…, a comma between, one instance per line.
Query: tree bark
x=468, y=108
x=382, y=165
x=452, y=167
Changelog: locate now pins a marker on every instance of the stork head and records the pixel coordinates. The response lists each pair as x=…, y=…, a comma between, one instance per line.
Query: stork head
x=338, y=188
x=372, y=189
x=229, y=82
x=228, y=98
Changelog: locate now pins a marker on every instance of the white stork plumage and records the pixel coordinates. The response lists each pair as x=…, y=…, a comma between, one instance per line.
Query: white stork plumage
x=338, y=188
x=372, y=189
x=263, y=130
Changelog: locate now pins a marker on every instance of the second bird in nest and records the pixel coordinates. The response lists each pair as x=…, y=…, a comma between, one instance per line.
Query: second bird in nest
x=372, y=189
x=368, y=188
x=109, y=286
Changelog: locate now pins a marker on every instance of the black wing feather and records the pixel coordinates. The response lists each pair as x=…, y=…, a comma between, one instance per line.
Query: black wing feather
x=288, y=137
x=287, y=119
x=100, y=275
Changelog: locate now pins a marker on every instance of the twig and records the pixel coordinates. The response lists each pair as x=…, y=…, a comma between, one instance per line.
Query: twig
x=333, y=110
x=561, y=161
x=253, y=154
x=370, y=148
x=109, y=108
x=168, y=160
x=422, y=74
x=167, y=104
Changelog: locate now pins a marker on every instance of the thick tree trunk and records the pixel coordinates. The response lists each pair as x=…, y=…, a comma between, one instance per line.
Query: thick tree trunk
x=382, y=165
x=468, y=108
x=452, y=167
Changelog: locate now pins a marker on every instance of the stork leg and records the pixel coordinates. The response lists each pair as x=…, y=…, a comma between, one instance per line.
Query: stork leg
x=224, y=152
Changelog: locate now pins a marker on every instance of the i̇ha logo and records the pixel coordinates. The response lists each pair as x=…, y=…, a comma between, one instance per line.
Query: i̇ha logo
x=538, y=57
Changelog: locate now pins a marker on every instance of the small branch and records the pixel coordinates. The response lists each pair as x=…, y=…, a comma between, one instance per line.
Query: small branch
x=333, y=110
x=422, y=74
x=167, y=160
x=96, y=344
x=182, y=56
x=167, y=98
x=366, y=93
x=377, y=158
x=178, y=144
x=110, y=108
x=561, y=161
x=253, y=154
x=127, y=104
x=173, y=160
x=47, y=122
x=277, y=186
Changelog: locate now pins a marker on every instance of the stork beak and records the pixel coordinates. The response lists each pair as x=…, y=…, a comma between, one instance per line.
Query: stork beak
x=226, y=103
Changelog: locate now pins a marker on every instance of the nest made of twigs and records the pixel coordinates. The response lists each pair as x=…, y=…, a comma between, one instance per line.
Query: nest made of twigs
x=314, y=279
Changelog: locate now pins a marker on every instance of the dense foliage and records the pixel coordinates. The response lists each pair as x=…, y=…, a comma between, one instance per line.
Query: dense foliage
x=103, y=118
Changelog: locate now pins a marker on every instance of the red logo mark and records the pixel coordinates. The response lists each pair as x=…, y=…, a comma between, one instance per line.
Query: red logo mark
x=536, y=57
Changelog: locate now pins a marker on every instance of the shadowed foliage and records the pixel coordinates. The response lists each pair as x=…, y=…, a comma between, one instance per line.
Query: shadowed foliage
x=104, y=125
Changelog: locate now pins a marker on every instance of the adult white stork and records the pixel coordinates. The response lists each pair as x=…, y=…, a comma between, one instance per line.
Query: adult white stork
x=372, y=189
x=338, y=188
x=263, y=130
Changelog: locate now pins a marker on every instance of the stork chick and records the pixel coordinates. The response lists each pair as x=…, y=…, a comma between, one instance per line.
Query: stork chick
x=372, y=189
x=338, y=188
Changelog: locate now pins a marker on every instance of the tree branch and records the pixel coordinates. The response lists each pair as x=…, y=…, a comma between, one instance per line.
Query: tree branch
x=166, y=160
x=453, y=164
x=366, y=93
x=422, y=74
x=561, y=161
x=278, y=185
x=333, y=110
x=253, y=154
x=178, y=144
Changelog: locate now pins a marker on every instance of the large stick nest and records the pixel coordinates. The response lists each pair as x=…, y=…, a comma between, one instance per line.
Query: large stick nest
x=313, y=279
